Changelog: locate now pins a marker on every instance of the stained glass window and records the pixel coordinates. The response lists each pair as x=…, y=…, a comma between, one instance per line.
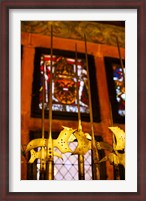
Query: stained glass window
x=64, y=89
x=120, y=88
x=64, y=85
x=116, y=87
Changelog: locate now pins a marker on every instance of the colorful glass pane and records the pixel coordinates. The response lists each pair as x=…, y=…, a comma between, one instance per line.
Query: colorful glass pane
x=120, y=88
x=64, y=87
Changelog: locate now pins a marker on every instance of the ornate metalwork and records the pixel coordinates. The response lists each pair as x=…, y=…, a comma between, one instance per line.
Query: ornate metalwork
x=40, y=142
x=120, y=138
x=116, y=157
x=83, y=143
x=62, y=141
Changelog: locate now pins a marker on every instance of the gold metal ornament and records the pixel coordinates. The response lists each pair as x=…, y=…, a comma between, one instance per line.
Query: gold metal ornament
x=39, y=142
x=63, y=139
x=116, y=157
x=84, y=145
x=120, y=138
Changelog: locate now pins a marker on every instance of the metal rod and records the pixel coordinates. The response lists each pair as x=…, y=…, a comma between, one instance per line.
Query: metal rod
x=50, y=88
x=115, y=168
x=117, y=176
x=78, y=101
x=121, y=62
x=81, y=167
x=43, y=102
x=96, y=173
x=80, y=157
x=43, y=161
x=50, y=166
